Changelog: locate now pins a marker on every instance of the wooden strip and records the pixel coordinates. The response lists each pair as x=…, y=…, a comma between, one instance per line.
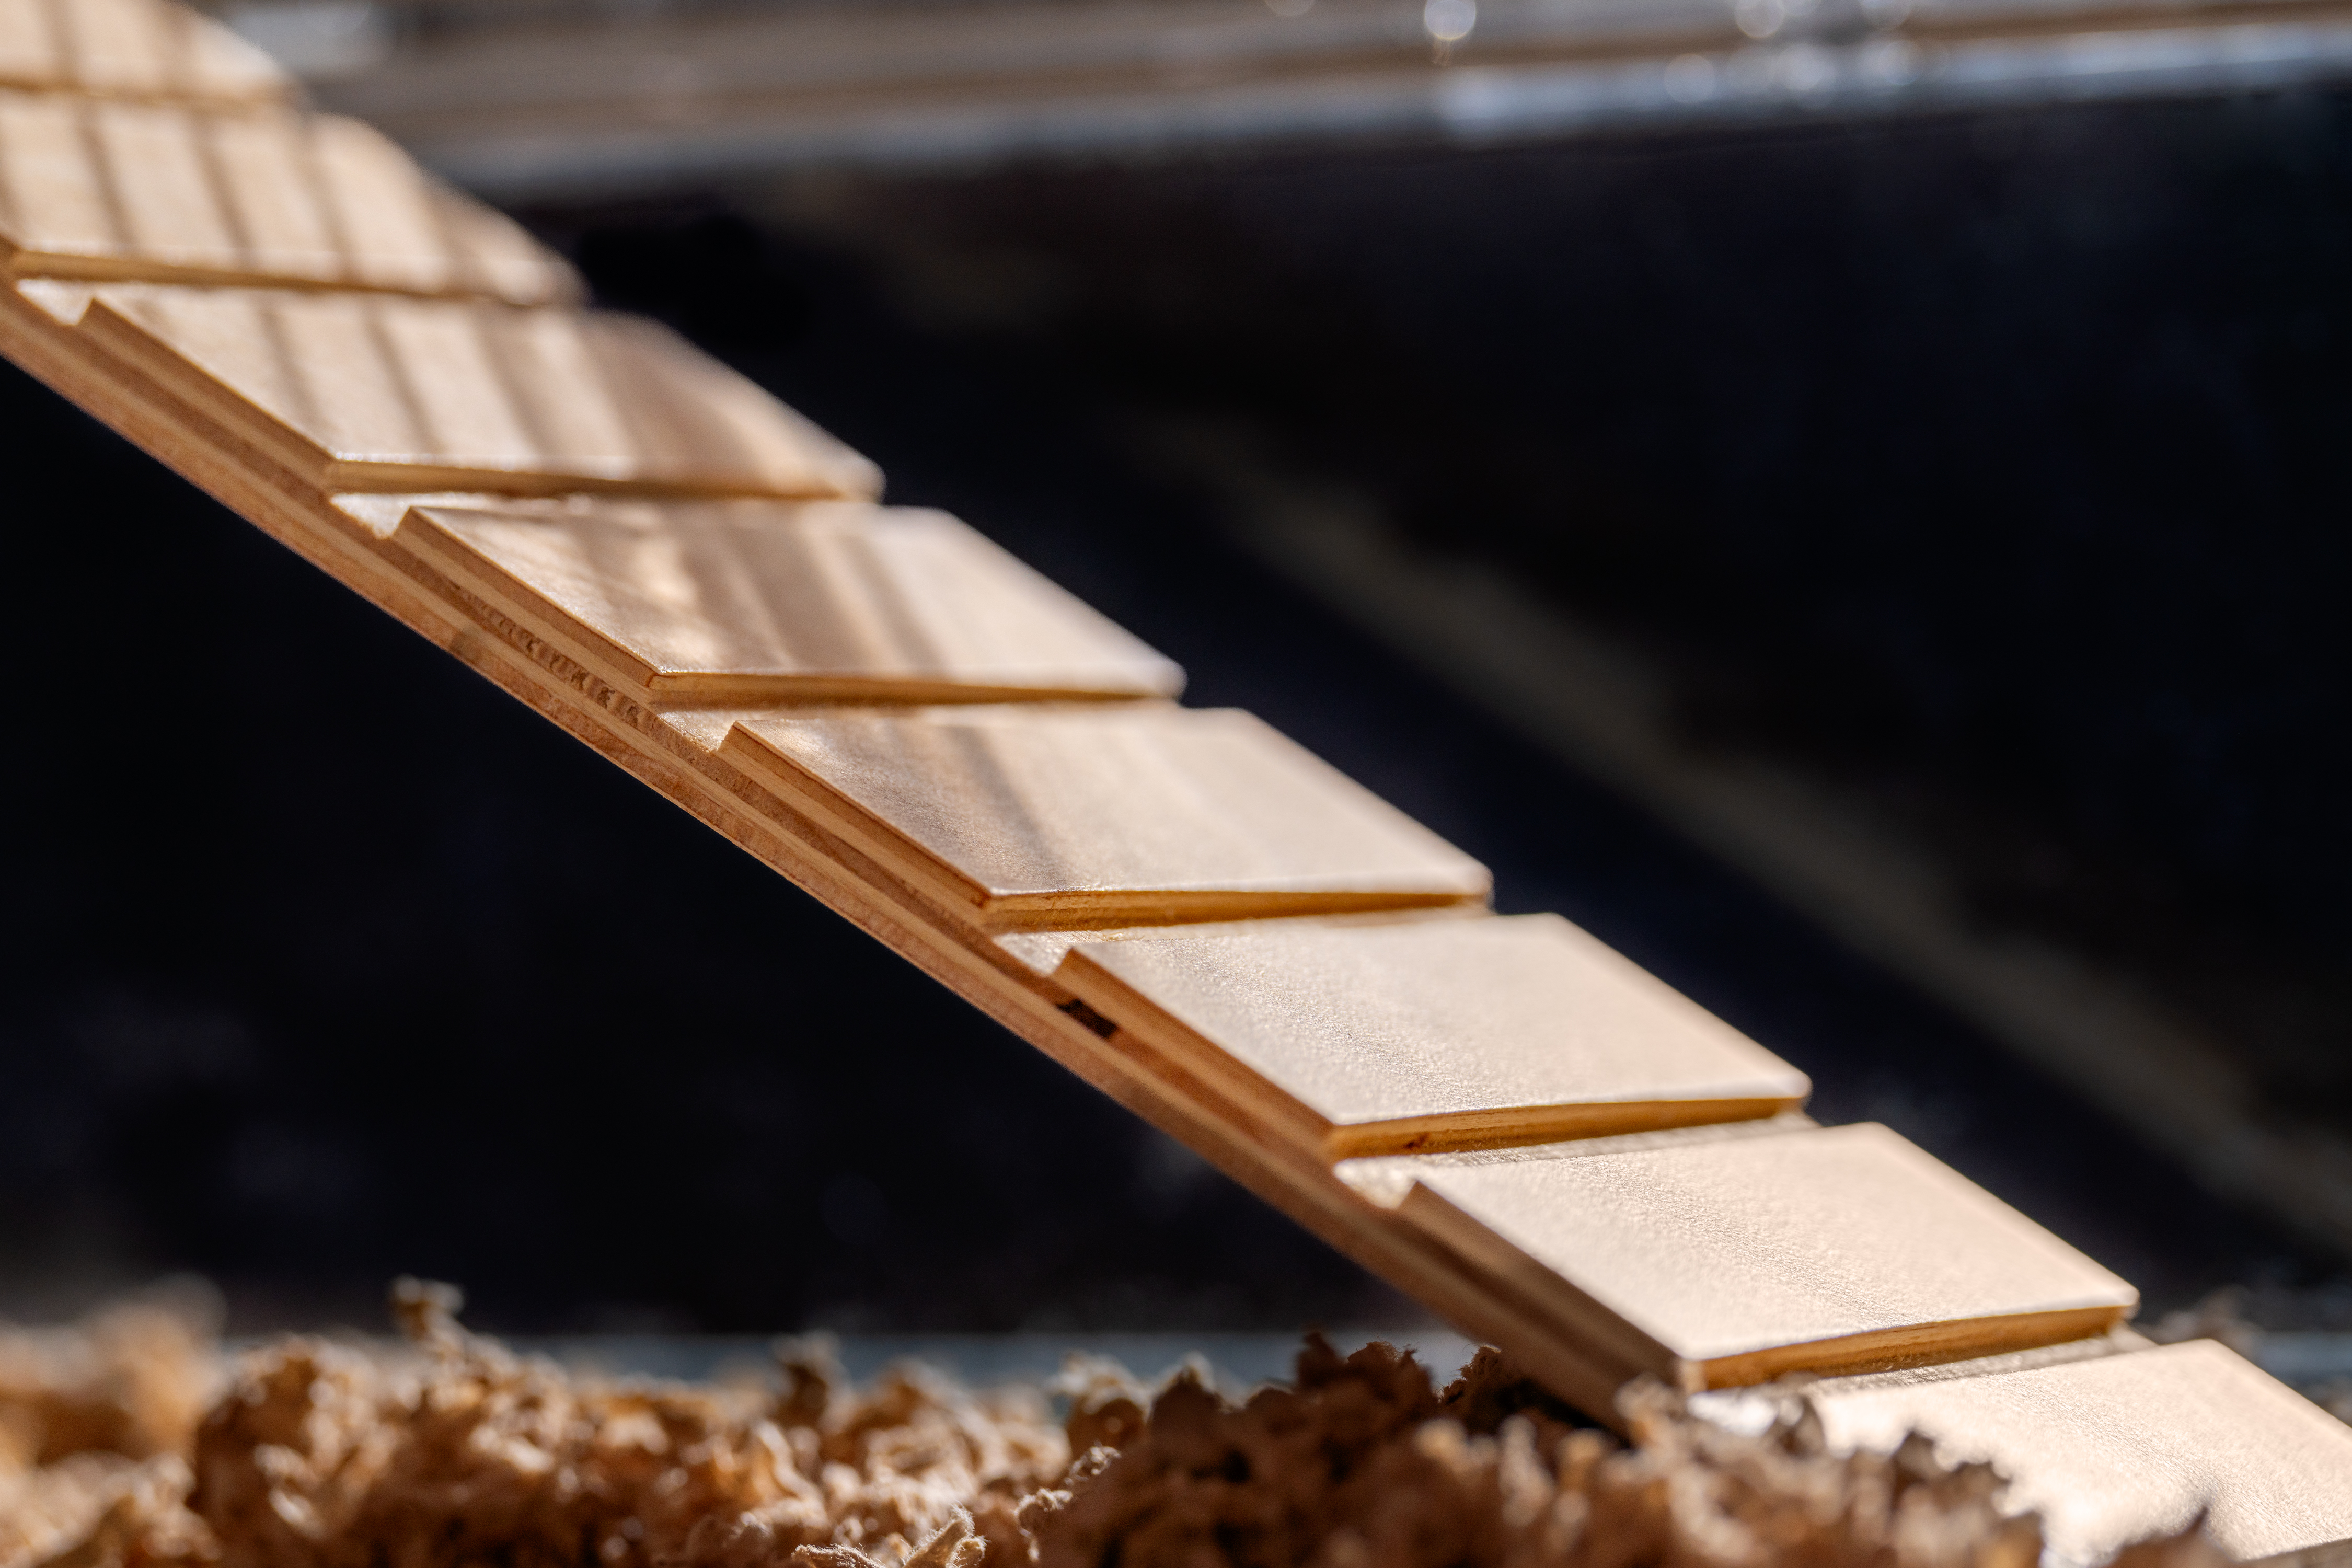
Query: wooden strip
x=100, y=188
x=135, y=49
x=1397, y=1037
x=742, y=602
x=1723, y=1262
x=359, y=392
x=1032, y=817
x=2115, y=1449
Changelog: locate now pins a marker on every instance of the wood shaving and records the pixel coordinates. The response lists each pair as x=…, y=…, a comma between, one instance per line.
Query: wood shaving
x=128, y=1445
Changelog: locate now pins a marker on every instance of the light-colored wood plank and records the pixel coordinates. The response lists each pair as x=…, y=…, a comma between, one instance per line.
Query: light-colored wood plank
x=1032, y=816
x=108, y=188
x=756, y=601
x=375, y=392
x=138, y=48
x=1716, y=1262
x=2117, y=1449
x=1357, y=1038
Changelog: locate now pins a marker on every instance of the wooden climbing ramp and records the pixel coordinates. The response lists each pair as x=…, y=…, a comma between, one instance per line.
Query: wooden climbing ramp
x=1543, y=1143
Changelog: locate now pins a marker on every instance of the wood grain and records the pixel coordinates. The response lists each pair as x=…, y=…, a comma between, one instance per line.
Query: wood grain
x=136, y=48
x=1396, y=1038
x=1720, y=1262
x=1029, y=817
x=745, y=602
x=2119, y=1448
x=373, y=392
x=113, y=189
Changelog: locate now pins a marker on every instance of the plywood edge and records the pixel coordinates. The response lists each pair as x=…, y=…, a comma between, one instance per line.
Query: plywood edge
x=1107, y=909
x=1512, y=1127
x=284, y=272
x=750, y=688
x=281, y=95
x=1893, y=1349
x=550, y=477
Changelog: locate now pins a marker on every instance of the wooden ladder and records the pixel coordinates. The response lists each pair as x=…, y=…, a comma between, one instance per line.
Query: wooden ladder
x=1546, y=1145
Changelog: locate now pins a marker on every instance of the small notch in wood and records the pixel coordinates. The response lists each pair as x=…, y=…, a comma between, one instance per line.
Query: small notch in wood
x=1102, y=1027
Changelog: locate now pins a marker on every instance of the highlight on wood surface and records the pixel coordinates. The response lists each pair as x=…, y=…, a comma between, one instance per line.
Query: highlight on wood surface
x=111, y=188
x=1395, y=1037
x=754, y=601
x=132, y=48
x=1036, y=817
x=1717, y=1261
x=377, y=392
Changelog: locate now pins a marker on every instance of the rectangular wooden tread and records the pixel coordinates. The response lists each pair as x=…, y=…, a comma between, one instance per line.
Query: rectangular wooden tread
x=1717, y=1261
x=378, y=392
x=116, y=189
x=1035, y=816
x=1395, y=1037
x=746, y=601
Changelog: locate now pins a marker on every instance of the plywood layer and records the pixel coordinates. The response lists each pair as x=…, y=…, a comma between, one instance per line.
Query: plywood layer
x=1035, y=816
x=142, y=48
x=1388, y=1038
x=746, y=601
x=374, y=392
x=120, y=189
x=2120, y=1448
x=1721, y=1262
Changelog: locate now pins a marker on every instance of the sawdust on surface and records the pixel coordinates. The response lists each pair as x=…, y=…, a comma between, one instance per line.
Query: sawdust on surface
x=129, y=1441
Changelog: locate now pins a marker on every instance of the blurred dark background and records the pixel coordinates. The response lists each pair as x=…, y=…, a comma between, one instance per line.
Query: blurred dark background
x=1985, y=469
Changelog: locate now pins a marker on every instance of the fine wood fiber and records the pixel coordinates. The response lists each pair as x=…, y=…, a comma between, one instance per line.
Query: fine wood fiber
x=1430, y=1035
x=2115, y=1449
x=377, y=392
x=1740, y=1259
x=744, y=602
x=1147, y=814
x=133, y=49
x=105, y=188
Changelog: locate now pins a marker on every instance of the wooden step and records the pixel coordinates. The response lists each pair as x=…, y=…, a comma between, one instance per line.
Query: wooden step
x=1354, y=1039
x=100, y=188
x=374, y=392
x=1714, y=1261
x=133, y=49
x=1031, y=818
x=748, y=602
x=2114, y=1449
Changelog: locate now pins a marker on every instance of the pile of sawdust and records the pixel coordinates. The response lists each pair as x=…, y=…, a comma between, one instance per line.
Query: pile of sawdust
x=126, y=1443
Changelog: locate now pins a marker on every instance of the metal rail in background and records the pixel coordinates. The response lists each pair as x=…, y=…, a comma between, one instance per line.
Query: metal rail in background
x=603, y=99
